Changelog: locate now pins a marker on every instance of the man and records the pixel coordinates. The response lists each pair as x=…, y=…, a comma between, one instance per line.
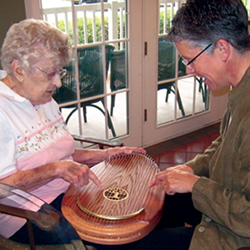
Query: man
x=212, y=38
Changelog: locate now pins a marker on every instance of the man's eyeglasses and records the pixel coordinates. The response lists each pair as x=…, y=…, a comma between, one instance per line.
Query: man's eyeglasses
x=61, y=73
x=187, y=63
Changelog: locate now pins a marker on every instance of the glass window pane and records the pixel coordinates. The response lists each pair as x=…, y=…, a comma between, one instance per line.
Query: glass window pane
x=185, y=96
x=165, y=103
x=190, y=97
x=94, y=119
x=89, y=22
x=118, y=70
x=203, y=94
x=166, y=59
x=115, y=16
x=119, y=113
x=90, y=63
x=167, y=10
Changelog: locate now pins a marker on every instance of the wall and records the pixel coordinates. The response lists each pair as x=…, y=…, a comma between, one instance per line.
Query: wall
x=10, y=12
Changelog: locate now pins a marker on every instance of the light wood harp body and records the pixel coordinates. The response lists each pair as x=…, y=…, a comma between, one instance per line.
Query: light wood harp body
x=124, y=209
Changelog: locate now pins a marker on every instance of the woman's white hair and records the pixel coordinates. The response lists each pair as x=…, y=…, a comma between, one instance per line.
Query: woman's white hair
x=29, y=40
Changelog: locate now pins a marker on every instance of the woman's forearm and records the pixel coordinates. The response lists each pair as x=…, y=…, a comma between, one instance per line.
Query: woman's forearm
x=90, y=157
x=31, y=179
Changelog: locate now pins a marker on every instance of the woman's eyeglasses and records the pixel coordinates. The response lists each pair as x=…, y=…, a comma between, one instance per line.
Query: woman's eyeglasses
x=61, y=73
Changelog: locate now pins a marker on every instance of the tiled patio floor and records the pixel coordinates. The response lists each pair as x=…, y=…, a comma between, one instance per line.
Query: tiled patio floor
x=179, y=150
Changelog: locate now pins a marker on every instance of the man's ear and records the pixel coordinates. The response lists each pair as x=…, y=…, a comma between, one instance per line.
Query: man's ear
x=224, y=49
x=17, y=70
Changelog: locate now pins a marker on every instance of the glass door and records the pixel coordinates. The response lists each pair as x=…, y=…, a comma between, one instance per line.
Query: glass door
x=143, y=94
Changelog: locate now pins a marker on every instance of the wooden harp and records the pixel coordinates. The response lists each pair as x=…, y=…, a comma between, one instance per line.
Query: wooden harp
x=124, y=209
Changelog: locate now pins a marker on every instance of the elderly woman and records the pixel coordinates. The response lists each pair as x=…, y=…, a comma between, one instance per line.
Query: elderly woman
x=36, y=149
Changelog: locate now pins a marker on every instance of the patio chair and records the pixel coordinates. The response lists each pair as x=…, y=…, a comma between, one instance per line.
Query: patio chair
x=39, y=213
x=166, y=70
x=118, y=77
x=91, y=81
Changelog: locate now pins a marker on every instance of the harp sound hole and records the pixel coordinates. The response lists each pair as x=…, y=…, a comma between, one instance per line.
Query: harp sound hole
x=115, y=194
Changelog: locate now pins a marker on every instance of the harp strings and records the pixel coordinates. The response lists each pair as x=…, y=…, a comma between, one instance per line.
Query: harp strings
x=129, y=166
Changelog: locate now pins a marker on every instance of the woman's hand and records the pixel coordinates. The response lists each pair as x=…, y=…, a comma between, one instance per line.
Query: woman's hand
x=179, y=179
x=76, y=174
x=91, y=157
x=124, y=150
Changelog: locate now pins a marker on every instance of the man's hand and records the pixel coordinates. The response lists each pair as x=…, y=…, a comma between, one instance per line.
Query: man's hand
x=179, y=179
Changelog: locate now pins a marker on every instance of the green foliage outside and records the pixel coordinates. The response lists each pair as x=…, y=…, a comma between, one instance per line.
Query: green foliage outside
x=81, y=40
x=246, y=3
x=61, y=26
x=162, y=31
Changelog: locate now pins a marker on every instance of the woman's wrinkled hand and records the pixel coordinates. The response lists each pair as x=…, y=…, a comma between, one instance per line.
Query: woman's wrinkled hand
x=124, y=150
x=76, y=174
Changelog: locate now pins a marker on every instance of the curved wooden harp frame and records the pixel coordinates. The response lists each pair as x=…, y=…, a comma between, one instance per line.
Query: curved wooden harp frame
x=124, y=209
